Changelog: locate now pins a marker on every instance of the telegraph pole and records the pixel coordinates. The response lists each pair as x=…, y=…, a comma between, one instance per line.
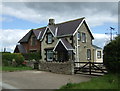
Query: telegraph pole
x=111, y=33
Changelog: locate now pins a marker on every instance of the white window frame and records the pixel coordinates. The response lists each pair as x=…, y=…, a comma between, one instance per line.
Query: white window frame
x=89, y=57
x=83, y=38
x=49, y=38
x=99, y=56
x=79, y=35
x=49, y=52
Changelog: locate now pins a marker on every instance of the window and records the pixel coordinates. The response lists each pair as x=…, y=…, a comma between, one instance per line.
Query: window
x=98, y=54
x=33, y=51
x=78, y=35
x=49, y=38
x=33, y=42
x=83, y=37
x=49, y=55
x=88, y=54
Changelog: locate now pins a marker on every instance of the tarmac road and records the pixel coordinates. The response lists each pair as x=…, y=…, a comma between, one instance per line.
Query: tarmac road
x=39, y=80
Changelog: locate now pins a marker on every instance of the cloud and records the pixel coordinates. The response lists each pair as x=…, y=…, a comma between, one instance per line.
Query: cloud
x=10, y=37
x=96, y=13
x=100, y=39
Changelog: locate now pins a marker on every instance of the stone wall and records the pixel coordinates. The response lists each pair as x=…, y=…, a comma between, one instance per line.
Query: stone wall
x=57, y=67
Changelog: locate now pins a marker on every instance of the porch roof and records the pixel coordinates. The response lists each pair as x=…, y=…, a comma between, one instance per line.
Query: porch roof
x=65, y=43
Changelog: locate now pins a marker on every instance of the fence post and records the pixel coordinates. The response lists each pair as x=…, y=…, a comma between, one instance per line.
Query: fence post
x=90, y=68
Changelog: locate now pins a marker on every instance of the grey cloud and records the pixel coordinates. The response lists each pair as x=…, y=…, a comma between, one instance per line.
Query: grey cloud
x=71, y=7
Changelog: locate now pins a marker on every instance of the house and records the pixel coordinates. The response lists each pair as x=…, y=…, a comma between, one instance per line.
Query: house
x=30, y=42
x=98, y=56
x=60, y=45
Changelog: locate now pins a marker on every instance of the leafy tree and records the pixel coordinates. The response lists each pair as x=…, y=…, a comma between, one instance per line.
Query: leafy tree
x=111, y=57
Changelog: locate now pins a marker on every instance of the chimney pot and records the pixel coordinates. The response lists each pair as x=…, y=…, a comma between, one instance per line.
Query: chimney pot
x=51, y=21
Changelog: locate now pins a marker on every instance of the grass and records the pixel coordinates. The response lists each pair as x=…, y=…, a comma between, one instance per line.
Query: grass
x=10, y=68
x=109, y=81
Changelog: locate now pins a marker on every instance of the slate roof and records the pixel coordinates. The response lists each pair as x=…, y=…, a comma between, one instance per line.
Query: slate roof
x=65, y=43
x=96, y=47
x=65, y=28
x=21, y=48
x=69, y=27
x=35, y=31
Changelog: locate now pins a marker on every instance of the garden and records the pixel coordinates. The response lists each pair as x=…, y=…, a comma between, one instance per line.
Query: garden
x=17, y=61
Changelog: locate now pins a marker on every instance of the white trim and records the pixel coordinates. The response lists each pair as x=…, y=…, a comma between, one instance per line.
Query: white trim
x=46, y=31
x=89, y=28
x=56, y=31
x=63, y=45
x=39, y=35
x=78, y=27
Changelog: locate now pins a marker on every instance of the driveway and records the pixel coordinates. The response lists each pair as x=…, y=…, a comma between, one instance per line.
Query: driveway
x=38, y=80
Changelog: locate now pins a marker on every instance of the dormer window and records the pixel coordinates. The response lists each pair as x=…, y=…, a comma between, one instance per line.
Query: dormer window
x=49, y=38
x=83, y=37
x=78, y=35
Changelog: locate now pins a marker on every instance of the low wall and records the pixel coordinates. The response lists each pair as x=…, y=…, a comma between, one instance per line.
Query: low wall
x=57, y=67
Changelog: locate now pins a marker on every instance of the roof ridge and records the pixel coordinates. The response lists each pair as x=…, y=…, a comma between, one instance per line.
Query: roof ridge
x=39, y=28
x=70, y=20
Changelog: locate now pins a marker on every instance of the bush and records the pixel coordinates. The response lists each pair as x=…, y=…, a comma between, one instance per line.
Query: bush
x=8, y=57
x=31, y=56
x=111, y=57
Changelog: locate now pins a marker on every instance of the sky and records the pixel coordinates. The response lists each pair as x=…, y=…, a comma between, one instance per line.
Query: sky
x=17, y=18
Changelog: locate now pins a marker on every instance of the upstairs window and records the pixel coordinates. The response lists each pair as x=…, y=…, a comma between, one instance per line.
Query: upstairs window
x=83, y=37
x=49, y=38
x=33, y=42
x=98, y=54
x=79, y=36
x=88, y=54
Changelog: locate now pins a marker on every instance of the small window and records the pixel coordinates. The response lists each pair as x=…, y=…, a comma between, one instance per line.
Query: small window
x=78, y=35
x=49, y=38
x=33, y=42
x=49, y=55
x=83, y=37
x=33, y=51
x=88, y=54
x=98, y=54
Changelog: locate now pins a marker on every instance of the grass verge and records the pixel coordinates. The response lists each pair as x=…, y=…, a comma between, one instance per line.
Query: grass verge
x=10, y=68
x=109, y=81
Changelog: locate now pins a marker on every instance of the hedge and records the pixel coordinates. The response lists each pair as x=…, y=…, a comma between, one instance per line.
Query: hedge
x=111, y=57
x=8, y=57
x=31, y=56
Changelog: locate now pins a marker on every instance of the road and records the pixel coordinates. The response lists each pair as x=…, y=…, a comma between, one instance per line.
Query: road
x=38, y=80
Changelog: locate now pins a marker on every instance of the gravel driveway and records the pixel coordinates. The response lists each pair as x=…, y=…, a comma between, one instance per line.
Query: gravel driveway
x=39, y=80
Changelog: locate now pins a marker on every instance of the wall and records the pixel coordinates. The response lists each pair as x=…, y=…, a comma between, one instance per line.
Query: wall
x=83, y=46
x=56, y=67
x=45, y=45
x=29, y=47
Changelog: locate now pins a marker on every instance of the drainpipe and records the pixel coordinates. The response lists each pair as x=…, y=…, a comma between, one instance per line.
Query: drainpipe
x=77, y=55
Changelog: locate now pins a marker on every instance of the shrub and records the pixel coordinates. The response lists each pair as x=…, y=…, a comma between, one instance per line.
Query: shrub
x=31, y=56
x=111, y=57
x=8, y=57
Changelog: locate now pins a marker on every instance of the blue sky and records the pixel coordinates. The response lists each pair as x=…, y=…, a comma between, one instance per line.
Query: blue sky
x=18, y=18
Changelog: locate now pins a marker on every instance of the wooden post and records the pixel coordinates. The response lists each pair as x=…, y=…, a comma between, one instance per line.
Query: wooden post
x=90, y=68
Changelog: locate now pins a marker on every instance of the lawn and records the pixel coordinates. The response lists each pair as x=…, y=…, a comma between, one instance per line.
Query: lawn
x=10, y=68
x=109, y=81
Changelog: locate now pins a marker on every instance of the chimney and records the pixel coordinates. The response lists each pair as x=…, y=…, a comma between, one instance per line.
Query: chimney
x=51, y=21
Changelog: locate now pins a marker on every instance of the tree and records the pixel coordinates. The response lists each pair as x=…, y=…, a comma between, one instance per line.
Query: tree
x=111, y=57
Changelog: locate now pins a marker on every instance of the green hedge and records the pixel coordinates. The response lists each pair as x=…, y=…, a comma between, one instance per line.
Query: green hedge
x=111, y=57
x=8, y=57
x=31, y=56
